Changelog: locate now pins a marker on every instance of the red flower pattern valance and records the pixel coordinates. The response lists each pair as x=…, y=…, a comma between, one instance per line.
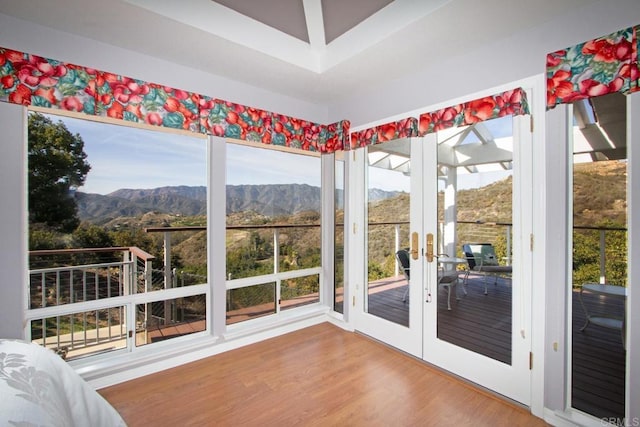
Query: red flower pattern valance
x=27, y=79
x=597, y=67
x=404, y=128
x=509, y=103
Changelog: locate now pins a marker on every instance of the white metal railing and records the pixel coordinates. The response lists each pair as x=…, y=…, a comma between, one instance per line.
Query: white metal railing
x=277, y=277
x=601, y=249
x=73, y=308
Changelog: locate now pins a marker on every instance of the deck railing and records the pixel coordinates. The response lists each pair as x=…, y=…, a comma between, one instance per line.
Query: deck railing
x=77, y=305
x=491, y=232
x=251, y=294
x=86, y=301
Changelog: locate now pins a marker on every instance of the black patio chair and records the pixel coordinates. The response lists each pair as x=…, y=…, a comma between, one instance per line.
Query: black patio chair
x=482, y=259
x=403, y=259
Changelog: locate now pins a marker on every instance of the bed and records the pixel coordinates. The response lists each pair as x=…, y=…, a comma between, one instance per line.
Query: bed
x=38, y=388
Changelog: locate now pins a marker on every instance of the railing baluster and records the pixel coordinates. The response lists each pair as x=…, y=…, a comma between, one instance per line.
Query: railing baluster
x=276, y=265
x=58, y=331
x=397, y=248
x=43, y=285
x=603, y=268
x=57, y=288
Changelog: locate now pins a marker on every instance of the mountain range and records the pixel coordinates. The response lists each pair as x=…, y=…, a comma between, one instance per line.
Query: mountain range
x=268, y=200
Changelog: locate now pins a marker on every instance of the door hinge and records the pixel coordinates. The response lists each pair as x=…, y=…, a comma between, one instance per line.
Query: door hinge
x=354, y=155
x=531, y=242
x=530, y=360
x=354, y=228
x=354, y=301
x=130, y=334
x=531, y=123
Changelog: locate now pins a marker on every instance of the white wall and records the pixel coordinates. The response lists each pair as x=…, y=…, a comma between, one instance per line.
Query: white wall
x=13, y=246
x=31, y=38
x=487, y=66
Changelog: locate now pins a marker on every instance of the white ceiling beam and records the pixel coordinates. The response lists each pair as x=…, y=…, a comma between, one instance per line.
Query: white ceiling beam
x=315, y=24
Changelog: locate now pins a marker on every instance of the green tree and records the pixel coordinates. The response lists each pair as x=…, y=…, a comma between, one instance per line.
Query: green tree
x=57, y=166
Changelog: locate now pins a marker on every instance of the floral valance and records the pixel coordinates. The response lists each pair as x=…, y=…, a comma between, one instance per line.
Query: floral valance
x=597, y=67
x=27, y=79
x=404, y=128
x=509, y=103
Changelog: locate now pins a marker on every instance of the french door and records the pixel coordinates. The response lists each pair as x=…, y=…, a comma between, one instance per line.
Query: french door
x=435, y=198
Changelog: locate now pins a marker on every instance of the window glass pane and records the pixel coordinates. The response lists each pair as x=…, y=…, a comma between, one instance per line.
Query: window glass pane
x=273, y=226
x=162, y=320
x=599, y=257
x=299, y=291
x=475, y=218
x=338, y=303
x=387, y=214
x=113, y=211
x=251, y=302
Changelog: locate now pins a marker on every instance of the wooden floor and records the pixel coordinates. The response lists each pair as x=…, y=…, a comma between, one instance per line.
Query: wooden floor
x=482, y=323
x=318, y=376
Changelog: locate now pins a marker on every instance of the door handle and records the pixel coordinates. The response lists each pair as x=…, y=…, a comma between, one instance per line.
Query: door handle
x=429, y=246
x=414, y=245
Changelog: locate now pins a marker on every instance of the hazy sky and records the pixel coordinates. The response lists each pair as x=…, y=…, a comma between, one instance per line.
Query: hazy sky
x=125, y=157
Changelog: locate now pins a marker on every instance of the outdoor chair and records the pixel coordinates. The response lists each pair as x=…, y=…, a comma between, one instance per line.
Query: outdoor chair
x=403, y=260
x=482, y=259
x=449, y=277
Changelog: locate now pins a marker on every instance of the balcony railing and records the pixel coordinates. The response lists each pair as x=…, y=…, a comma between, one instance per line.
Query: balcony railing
x=71, y=307
x=251, y=294
x=84, y=301
x=604, y=254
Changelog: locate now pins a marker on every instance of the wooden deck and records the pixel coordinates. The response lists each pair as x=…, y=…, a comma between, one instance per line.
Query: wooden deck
x=482, y=323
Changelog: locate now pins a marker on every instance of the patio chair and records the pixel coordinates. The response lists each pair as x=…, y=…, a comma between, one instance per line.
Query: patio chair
x=449, y=277
x=403, y=260
x=482, y=259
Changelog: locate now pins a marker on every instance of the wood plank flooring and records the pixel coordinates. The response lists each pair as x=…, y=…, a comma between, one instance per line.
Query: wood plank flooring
x=318, y=376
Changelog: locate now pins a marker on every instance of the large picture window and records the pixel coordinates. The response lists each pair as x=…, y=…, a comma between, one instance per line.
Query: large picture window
x=273, y=231
x=115, y=213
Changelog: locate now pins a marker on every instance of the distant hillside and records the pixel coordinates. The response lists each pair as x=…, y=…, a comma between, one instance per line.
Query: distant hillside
x=267, y=200
x=274, y=199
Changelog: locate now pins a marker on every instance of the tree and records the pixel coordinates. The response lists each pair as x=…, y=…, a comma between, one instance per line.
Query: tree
x=57, y=166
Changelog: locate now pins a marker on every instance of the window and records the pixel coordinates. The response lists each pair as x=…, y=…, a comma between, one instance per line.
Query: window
x=114, y=211
x=273, y=231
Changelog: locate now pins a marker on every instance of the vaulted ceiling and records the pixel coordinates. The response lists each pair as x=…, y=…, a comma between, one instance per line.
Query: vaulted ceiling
x=316, y=50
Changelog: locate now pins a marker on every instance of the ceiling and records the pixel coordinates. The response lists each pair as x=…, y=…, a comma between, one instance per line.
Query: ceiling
x=315, y=50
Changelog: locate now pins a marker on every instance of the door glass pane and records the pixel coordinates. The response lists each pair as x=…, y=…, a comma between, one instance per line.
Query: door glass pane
x=338, y=295
x=599, y=256
x=474, y=237
x=388, y=181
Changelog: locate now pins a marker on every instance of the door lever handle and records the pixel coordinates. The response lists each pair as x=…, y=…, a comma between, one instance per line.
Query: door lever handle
x=429, y=246
x=414, y=245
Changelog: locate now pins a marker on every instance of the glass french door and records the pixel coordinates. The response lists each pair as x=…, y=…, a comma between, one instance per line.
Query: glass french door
x=389, y=304
x=477, y=216
x=427, y=197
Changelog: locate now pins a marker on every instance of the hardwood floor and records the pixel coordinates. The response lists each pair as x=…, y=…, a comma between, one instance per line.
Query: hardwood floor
x=318, y=376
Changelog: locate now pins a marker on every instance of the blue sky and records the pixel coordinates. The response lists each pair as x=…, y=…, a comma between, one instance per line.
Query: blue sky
x=126, y=157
